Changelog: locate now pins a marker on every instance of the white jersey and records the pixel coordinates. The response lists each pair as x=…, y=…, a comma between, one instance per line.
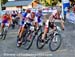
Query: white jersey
x=30, y=20
x=54, y=13
x=49, y=24
x=28, y=15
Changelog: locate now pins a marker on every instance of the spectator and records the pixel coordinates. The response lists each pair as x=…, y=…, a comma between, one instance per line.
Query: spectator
x=71, y=15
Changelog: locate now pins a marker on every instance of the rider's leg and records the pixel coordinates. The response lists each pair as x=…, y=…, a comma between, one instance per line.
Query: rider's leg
x=19, y=30
x=37, y=25
x=20, y=34
x=53, y=28
x=44, y=34
x=22, y=29
x=62, y=24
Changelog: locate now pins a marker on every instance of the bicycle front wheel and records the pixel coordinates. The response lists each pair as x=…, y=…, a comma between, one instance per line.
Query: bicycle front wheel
x=39, y=42
x=28, y=40
x=5, y=33
x=2, y=32
x=55, y=42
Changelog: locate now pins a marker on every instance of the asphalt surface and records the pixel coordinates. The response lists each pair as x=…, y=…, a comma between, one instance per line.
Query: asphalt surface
x=8, y=46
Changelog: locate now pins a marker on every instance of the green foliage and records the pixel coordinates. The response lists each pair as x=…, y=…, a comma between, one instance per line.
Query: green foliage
x=52, y=2
x=4, y=1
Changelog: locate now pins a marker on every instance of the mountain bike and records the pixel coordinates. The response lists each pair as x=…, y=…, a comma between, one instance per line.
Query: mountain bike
x=31, y=35
x=54, y=39
x=4, y=32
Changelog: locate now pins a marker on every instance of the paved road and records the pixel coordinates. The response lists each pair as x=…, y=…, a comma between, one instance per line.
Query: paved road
x=8, y=47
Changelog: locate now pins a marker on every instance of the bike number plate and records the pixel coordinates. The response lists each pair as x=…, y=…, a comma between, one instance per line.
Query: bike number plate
x=32, y=28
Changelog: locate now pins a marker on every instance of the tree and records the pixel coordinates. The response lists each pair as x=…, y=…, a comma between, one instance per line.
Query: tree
x=4, y=1
x=49, y=2
x=0, y=5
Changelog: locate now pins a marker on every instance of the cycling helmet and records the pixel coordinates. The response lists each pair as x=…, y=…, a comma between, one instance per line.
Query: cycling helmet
x=39, y=10
x=28, y=10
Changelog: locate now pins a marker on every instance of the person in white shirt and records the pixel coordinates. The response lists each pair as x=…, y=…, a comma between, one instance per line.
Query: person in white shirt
x=70, y=16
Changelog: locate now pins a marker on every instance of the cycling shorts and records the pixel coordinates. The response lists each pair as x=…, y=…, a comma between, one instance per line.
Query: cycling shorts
x=5, y=21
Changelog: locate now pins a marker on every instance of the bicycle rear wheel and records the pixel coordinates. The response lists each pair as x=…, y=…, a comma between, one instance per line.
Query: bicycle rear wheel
x=55, y=42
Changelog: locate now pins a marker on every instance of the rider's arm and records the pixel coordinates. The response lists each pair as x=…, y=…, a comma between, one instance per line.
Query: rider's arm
x=36, y=22
x=10, y=19
x=20, y=16
x=27, y=17
x=46, y=26
x=2, y=17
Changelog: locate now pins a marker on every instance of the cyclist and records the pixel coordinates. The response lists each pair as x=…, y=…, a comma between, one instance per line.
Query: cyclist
x=39, y=16
x=23, y=16
x=56, y=15
x=31, y=20
x=6, y=20
x=49, y=24
x=71, y=15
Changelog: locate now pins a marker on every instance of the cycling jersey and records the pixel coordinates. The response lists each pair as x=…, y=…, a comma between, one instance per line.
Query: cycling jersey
x=24, y=15
x=49, y=24
x=5, y=18
x=30, y=20
x=39, y=18
x=56, y=15
x=39, y=15
x=13, y=15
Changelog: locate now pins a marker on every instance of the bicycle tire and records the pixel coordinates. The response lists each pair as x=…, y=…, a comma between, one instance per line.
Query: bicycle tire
x=5, y=33
x=4, y=36
x=24, y=34
x=2, y=33
x=28, y=43
x=50, y=43
x=22, y=37
x=38, y=40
